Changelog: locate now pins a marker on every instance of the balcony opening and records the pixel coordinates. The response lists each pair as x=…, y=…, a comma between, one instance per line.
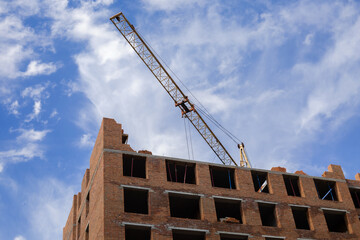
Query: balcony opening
x=301, y=217
x=355, y=195
x=233, y=237
x=228, y=211
x=292, y=185
x=137, y=232
x=326, y=189
x=260, y=180
x=184, y=206
x=180, y=172
x=134, y=166
x=267, y=214
x=136, y=200
x=222, y=177
x=336, y=221
x=191, y=235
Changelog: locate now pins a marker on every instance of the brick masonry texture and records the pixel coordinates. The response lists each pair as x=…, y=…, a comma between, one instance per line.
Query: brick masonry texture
x=99, y=207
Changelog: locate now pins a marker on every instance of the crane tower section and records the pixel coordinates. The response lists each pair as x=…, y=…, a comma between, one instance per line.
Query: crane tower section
x=188, y=109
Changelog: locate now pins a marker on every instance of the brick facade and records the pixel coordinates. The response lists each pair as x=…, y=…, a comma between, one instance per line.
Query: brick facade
x=108, y=202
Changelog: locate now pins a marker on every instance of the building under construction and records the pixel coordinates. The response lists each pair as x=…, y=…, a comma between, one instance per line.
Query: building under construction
x=138, y=196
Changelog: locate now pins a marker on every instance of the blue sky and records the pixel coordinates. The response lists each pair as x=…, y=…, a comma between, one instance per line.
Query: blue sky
x=283, y=76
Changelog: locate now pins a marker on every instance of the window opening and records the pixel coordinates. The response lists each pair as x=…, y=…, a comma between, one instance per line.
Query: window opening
x=274, y=238
x=301, y=217
x=87, y=203
x=292, y=185
x=326, y=189
x=87, y=233
x=335, y=221
x=260, y=181
x=228, y=210
x=222, y=177
x=267, y=214
x=78, y=227
x=184, y=206
x=135, y=200
x=137, y=233
x=182, y=235
x=180, y=172
x=355, y=195
x=232, y=237
x=134, y=166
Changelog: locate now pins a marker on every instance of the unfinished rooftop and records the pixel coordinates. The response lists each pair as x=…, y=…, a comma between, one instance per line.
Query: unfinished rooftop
x=136, y=195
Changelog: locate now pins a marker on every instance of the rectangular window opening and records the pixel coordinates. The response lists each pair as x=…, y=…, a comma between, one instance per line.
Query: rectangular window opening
x=326, y=189
x=87, y=233
x=136, y=201
x=222, y=177
x=134, y=166
x=182, y=235
x=260, y=180
x=184, y=206
x=301, y=217
x=78, y=227
x=137, y=232
x=355, y=195
x=336, y=221
x=232, y=237
x=180, y=172
x=228, y=211
x=267, y=214
x=87, y=203
x=292, y=185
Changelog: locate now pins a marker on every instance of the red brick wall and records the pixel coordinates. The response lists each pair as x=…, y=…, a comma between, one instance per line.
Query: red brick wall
x=106, y=216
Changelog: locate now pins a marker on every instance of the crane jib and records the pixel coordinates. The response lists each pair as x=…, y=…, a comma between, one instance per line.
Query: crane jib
x=181, y=100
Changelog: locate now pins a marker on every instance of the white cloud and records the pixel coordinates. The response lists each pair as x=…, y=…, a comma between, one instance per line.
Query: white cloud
x=236, y=62
x=37, y=68
x=87, y=140
x=23, y=154
x=31, y=135
x=33, y=92
x=14, y=40
x=308, y=39
x=37, y=108
x=54, y=113
x=14, y=108
x=19, y=238
x=36, y=111
x=27, y=147
x=50, y=201
x=165, y=5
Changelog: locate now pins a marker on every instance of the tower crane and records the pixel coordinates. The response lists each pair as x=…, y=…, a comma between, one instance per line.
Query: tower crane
x=188, y=109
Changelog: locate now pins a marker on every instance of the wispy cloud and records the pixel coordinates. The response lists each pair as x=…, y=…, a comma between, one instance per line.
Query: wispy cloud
x=19, y=238
x=17, y=45
x=164, y=5
x=28, y=147
x=49, y=201
x=37, y=68
x=23, y=154
x=87, y=140
x=31, y=135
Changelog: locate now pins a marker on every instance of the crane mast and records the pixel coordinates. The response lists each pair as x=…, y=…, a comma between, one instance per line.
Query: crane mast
x=187, y=108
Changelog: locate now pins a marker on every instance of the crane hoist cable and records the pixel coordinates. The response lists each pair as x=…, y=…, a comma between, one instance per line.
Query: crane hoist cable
x=188, y=109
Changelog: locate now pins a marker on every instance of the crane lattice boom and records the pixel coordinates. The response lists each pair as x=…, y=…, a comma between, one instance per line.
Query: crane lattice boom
x=188, y=109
